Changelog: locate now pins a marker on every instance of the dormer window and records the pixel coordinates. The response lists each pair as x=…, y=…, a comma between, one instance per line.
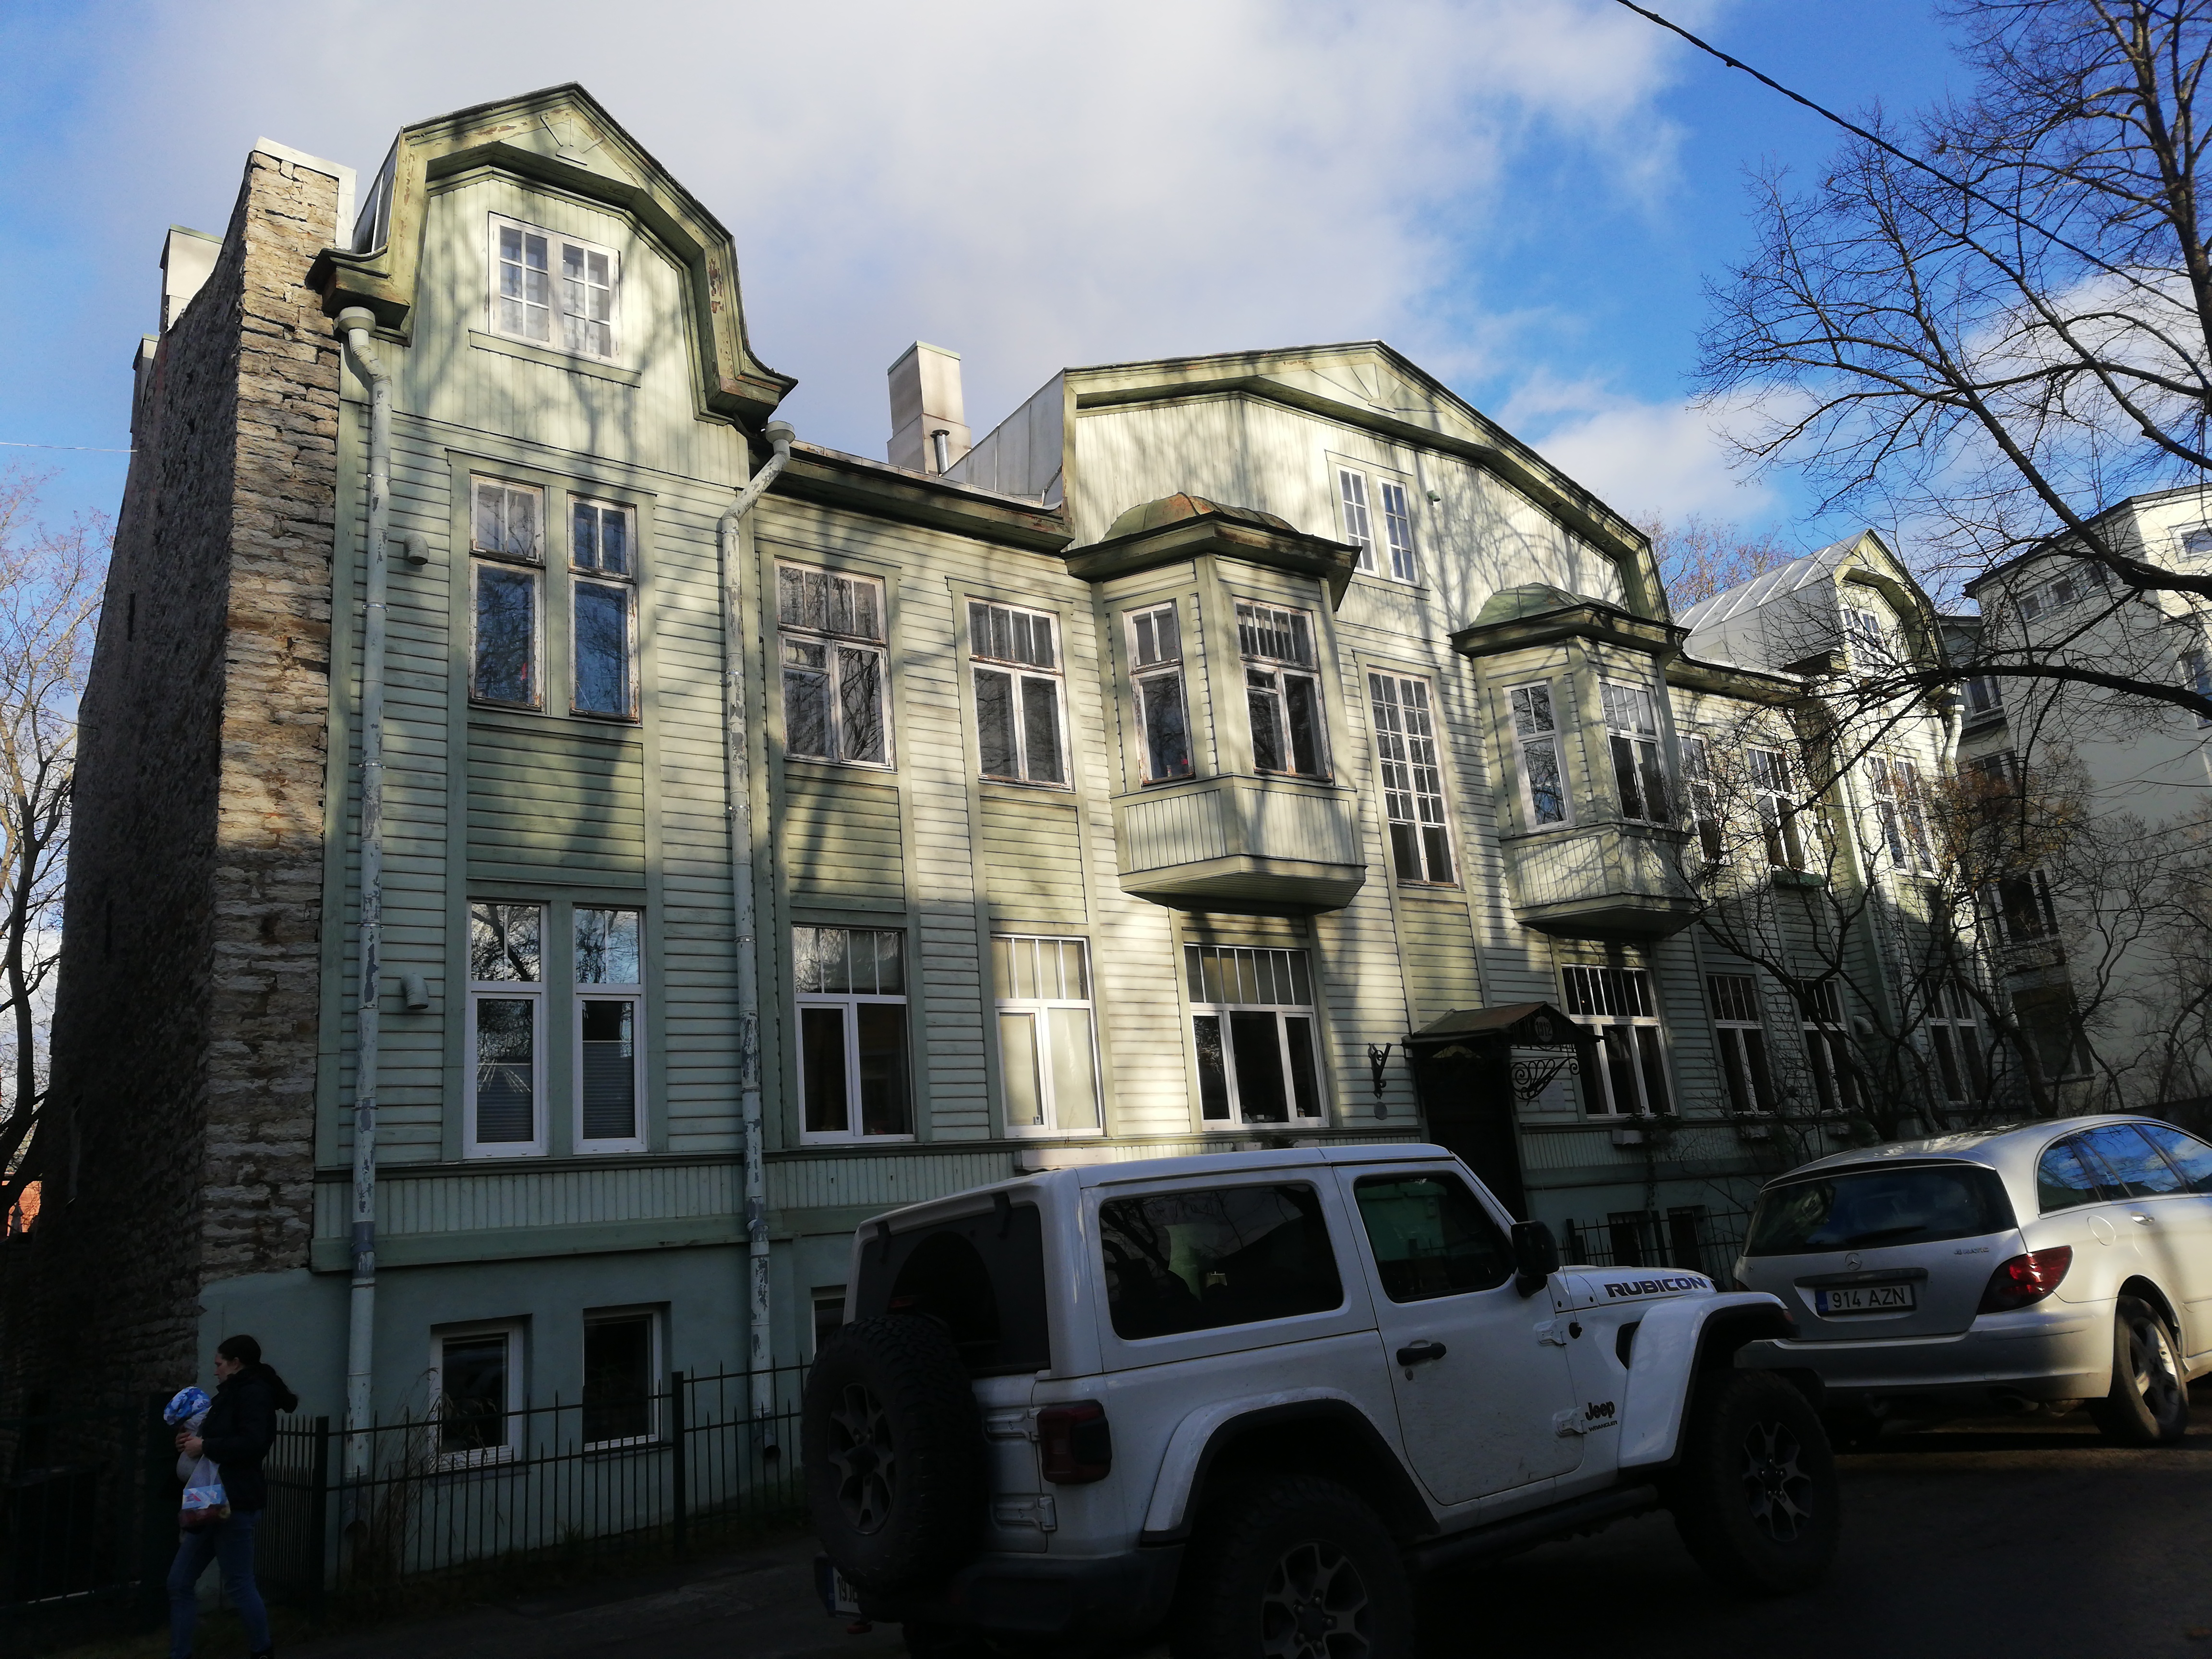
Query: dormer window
x=554, y=290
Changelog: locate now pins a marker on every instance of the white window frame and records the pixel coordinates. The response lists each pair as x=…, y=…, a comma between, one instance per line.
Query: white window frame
x=557, y=311
x=622, y=582
x=585, y=991
x=1528, y=735
x=1160, y=671
x=509, y=990
x=1984, y=695
x=1259, y=621
x=1899, y=810
x=1606, y=999
x=1366, y=501
x=531, y=563
x=837, y=646
x=848, y=1003
x=1282, y=966
x=656, y=1320
x=2039, y=886
x=514, y=1331
x=1018, y=674
x=1747, y=1072
x=1864, y=631
x=2196, y=666
x=1406, y=743
x=1954, y=1037
x=1631, y=717
x=1827, y=1050
x=1038, y=1010
x=1702, y=795
x=1776, y=803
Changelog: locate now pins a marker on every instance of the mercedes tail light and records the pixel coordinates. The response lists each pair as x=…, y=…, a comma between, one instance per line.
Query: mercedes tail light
x=1074, y=1442
x=2026, y=1279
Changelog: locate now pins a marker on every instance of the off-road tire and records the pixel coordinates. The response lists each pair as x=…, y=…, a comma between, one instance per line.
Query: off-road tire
x=1292, y=1567
x=897, y=1475
x=1756, y=1499
x=2148, y=1405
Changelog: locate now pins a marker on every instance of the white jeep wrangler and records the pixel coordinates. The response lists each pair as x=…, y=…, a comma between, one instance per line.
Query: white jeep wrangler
x=1247, y=1396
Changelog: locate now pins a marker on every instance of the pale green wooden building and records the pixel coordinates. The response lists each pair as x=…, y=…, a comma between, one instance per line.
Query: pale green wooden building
x=1126, y=781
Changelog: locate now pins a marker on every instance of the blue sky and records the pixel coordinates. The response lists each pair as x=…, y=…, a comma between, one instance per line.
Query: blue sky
x=1524, y=195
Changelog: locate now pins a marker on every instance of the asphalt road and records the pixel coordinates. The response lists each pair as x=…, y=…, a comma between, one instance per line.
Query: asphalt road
x=2017, y=1540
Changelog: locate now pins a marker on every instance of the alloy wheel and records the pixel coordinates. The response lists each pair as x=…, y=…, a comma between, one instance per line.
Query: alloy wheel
x=1315, y=1606
x=1774, y=1483
x=2157, y=1378
x=866, y=1461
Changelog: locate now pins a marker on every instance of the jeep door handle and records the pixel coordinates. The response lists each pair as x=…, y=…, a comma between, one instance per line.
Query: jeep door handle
x=1414, y=1352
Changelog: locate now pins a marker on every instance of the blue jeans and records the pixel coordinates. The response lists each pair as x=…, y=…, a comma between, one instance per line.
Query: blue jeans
x=230, y=1542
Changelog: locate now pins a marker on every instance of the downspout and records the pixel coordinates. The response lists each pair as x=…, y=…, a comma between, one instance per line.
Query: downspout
x=737, y=779
x=354, y=324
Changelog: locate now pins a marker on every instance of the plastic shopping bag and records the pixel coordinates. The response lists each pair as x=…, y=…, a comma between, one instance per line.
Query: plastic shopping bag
x=205, y=1502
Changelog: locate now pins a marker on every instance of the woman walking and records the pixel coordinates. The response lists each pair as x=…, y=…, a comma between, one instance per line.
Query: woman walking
x=240, y=1429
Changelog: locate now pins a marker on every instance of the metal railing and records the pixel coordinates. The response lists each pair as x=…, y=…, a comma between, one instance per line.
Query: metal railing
x=1702, y=1240
x=78, y=1527
x=466, y=1486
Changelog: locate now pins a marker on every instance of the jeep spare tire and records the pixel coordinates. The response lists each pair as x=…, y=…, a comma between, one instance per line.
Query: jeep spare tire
x=896, y=1477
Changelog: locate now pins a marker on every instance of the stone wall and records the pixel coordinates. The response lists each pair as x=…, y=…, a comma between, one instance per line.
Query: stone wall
x=182, y=1142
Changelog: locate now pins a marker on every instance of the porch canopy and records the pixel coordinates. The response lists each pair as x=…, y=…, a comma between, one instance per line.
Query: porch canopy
x=1515, y=1025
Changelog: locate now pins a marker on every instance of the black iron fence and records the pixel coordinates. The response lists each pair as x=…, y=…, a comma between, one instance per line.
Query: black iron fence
x=467, y=1488
x=1693, y=1237
x=85, y=1518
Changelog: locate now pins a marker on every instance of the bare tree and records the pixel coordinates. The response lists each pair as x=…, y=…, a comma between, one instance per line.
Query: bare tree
x=1987, y=325
x=1698, y=558
x=49, y=599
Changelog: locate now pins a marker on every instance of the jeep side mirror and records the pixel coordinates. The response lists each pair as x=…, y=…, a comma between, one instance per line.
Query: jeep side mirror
x=1535, y=1257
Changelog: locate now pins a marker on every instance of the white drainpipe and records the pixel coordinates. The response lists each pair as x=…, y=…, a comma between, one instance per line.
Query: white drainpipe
x=737, y=761
x=354, y=324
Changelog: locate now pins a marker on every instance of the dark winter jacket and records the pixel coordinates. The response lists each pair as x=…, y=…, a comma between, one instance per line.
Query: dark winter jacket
x=240, y=1429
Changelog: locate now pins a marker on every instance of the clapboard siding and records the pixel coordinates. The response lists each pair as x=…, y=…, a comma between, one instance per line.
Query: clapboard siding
x=1033, y=859
x=842, y=842
x=554, y=802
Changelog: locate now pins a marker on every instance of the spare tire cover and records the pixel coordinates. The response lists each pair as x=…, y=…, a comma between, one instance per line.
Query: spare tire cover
x=896, y=1468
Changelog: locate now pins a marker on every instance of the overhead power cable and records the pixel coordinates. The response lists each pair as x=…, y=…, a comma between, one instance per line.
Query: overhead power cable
x=81, y=449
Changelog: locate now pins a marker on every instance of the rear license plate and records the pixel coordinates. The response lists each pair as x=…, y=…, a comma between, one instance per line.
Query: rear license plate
x=1865, y=1298
x=838, y=1599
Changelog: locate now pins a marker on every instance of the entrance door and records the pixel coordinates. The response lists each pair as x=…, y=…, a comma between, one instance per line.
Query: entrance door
x=1467, y=1095
x=1477, y=1392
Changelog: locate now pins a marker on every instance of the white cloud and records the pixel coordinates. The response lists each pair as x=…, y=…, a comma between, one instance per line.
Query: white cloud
x=1639, y=457
x=1034, y=186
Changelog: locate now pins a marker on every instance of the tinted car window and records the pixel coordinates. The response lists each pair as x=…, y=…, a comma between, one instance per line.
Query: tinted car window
x=2064, y=1180
x=1431, y=1236
x=2133, y=1159
x=1222, y=1255
x=2185, y=1153
x=1858, y=1210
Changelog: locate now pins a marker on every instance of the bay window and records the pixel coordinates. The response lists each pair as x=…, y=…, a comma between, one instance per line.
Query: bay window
x=1282, y=690
x=1639, y=768
x=1163, y=714
x=1543, y=773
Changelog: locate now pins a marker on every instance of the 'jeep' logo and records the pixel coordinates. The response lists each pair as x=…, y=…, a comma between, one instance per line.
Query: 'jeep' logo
x=1597, y=1411
x=1655, y=1286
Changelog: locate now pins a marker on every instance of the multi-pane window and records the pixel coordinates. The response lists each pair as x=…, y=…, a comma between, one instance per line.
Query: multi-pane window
x=2021, y=906
x=609, y=1024
x=553, y=290
x=1413, y=781
x=1394, y=509
x=1742, y=1038
x=1984, y=697
x=1956, y=1037
x=835, y=685
x=506, y=1074
x=1704, y=800
x=2196, y=675
x=1047, y=1054
x=621, y=1377
x=1156, y=668
x=1869, y=640
x=853, y=1070
x=475, y=1393
x=1897, y=804
x=1282, y=690
x=506, y=538
x=1827, y=1049
x=603, y=608
x=1543, y=777
x=1777, y=811
x=1639, y=766
x=1016, y=664
x=1259, y=1051
x=1631, y=1075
